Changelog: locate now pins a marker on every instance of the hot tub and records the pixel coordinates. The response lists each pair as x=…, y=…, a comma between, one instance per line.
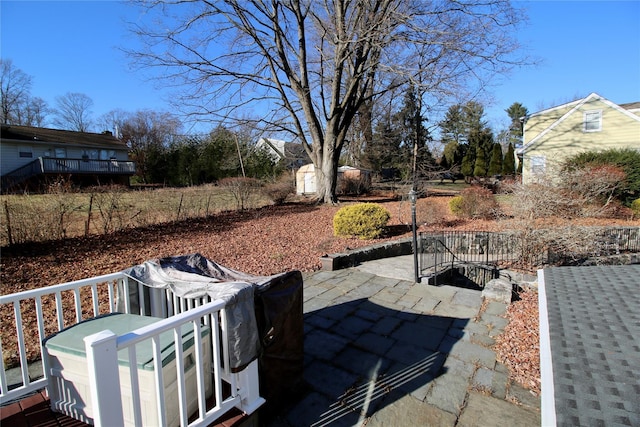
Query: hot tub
x=69, y=373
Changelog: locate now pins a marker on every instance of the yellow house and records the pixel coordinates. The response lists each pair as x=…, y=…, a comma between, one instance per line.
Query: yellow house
x=590, y=124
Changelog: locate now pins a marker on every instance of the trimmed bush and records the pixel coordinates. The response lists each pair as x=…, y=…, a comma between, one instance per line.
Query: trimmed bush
x=364, y=220
x=635, y=208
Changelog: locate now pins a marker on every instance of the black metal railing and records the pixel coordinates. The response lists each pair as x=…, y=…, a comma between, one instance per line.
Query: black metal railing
x=617, y=240
x=526, y=249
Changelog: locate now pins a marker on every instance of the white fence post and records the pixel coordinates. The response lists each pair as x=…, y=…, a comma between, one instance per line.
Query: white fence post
x=104, y=378
x=250, y=388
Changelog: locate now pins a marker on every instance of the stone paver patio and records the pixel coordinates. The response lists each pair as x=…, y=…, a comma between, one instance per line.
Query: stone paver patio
x=385, y=351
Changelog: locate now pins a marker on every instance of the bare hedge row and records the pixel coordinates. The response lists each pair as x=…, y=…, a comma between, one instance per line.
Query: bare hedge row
x=63, y=213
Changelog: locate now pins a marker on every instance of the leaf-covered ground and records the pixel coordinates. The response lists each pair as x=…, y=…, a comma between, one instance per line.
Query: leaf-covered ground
x=518, y=346
x=263, y=241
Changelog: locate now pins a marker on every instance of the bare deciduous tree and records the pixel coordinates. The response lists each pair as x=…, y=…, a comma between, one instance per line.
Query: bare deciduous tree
x=15, y=86
x=73, y=112
x=112, y=121
x=311, y=65
x=35, y=112
x=146, y=133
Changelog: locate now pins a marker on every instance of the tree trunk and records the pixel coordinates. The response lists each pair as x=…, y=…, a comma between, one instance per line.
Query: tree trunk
x=326, y=169
x=327, y=178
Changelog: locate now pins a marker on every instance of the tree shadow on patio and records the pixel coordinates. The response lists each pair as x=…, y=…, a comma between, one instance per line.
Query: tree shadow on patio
x=361, y=356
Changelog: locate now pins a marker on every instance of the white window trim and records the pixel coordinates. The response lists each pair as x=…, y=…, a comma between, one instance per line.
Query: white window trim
x=538, y=165
x=584, y=122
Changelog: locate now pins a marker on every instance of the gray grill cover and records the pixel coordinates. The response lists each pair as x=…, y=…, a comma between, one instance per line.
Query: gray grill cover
x=193, y=276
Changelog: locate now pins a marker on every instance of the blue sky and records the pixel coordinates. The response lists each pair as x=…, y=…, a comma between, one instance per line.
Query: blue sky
x=72, y=46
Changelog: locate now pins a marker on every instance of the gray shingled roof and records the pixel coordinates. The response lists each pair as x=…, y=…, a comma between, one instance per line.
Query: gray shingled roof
x=593, y=318
x=45, y=135
x=631, y=105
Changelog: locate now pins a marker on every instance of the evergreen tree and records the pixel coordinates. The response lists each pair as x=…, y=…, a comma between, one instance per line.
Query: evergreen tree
x=481, y=140
x=461, y=121
x=453, y=153
x=452, y=127
x=384, y=151
x=219, y=155
x=516, y=113
x=626, y=159
x=183, y=156
x=466, y=133
x=259, y=163
x=467, y=164
x=495, y=164
x=411, y=125
x=396, y=134
x=472, y=114
x=444, y=164
x=480, y=168
x=509, y=163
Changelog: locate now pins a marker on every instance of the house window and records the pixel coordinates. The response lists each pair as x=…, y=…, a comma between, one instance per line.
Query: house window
x=538, y=165
x=107, y=154
x=593, y=121
x=60, y=153
x=25, y=152
x=90, y=154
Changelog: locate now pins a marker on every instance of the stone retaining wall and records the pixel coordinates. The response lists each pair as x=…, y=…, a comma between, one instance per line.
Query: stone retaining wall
x=356, y=256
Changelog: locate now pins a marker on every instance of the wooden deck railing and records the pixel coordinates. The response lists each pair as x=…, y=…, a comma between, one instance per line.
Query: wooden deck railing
x=41, y=312
x=54, y=166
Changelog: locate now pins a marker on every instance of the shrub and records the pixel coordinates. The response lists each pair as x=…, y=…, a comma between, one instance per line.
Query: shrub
x=279, y=190
x=540, y=200
x=243, y=190
x=594, y=183
x=635, y=208
x=364, y=220
x=431, y=212
x=585, y=191
x=475, y=202
x=355, y=186
x=108, y=201
x=626, y=159
x=455, y=205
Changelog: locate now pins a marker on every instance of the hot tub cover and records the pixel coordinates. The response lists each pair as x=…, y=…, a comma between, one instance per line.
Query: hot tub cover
x=194, y=276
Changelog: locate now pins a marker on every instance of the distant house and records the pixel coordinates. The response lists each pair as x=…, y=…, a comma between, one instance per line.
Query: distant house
x=292, y=154
x=30, y=156
x=590, y=124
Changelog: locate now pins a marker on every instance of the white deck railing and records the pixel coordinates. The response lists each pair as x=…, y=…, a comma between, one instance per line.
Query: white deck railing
x=98, y=295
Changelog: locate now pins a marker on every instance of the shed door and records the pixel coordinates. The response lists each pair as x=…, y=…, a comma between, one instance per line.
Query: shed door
x=309, y=183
